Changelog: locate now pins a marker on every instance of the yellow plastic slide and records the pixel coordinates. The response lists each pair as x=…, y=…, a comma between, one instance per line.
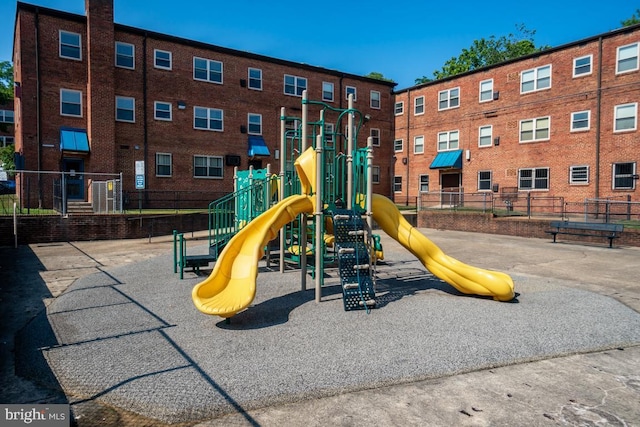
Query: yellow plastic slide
x=231, y=286
x=463, y=277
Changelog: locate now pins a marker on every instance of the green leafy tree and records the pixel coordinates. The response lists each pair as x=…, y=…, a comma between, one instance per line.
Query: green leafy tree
x=635, y=19
x=6, y=81
x=6, y=158
x=379, y=76
x=485, y=52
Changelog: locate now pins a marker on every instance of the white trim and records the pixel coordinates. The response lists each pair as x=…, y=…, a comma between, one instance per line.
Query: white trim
x=635, y=117
x=155, y=57
x=81, y=106
x=637, y=45
x=133, y=109
x=133, y=55
x=208, y=69
x=60, y=45
x=155, y=111
x=572, y=129
x=574, y=75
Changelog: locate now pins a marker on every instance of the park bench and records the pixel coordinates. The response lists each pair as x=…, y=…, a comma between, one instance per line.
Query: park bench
x=586, y=229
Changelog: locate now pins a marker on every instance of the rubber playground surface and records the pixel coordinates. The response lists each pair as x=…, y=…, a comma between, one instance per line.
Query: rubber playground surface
x=130, y=337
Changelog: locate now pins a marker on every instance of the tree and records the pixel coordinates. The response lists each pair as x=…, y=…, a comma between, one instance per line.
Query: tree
x=379, y=76
x=485, y=52
x=6, y=158
x=6, y=82
x=635, y=19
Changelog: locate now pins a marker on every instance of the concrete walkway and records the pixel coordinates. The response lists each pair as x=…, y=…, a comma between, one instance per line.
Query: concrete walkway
x=122, y=338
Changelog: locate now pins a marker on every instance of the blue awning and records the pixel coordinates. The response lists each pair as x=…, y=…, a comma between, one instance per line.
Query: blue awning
x=75, y=140
x=257, y=146
x=447, y=159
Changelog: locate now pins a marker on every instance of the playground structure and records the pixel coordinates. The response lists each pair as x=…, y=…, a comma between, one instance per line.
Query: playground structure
x=324, y=192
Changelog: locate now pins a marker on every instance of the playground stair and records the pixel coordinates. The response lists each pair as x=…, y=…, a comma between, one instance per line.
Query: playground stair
x=354, y=261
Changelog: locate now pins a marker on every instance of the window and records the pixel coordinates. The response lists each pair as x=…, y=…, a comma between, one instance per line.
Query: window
x=294, y=85
x=579, y=175
x=627, y=58
x=70, y=45
x=485, y=134
x=623, y=176
x=125, y=54
x=580, y=120
x=486, y=90
x=208, y=118
x=582, y=66
x=397, y=184
x=418, y=105
x=70, y=102
x=327, y=91
x=6, y=116
x=424, y=183
x=533, y=179
x=375, y=99
x=449, y=98
x=625, y=117
x=329, y=132
x=162, y=111
x=375, y=134
x=162, y=59
x=375, y=174
x=125, y=109
x=535, y=129
x=255, y=123
x=448, y=140
x=351, y=90
x=207, y=70
x=399, y=108
x=535, y=79
x=6, y=140
x=418, y=144
x=255, y=78
x=207, y=166
x=398, y=145
x=484, y=180
x=163, y=164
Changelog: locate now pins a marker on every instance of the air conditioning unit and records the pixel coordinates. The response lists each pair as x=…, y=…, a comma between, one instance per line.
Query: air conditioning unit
x=232, y=160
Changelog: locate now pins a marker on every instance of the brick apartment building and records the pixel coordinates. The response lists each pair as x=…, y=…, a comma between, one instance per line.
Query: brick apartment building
x=563, y=122
x=96, y=97
x=6, y=124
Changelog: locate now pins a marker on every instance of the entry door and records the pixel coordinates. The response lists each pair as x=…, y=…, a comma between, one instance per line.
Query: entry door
x=450, y=186
x=74, y=179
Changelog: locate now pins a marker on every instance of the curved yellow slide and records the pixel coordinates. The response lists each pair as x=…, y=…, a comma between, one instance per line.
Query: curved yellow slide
x=463, y=277
x=231, y=286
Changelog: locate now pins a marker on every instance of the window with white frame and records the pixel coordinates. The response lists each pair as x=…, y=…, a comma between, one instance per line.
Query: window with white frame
x=627, y=58
x=125, y=109
x=163, y=164
x=484, y=180
x=375, y=174
x=329, y=132
x=125, y=55
x=625, y=117
x=535, y=79
x=375, y=99
x=294, y=85
x=254, y=76
x=623, y=174
x=375, y=135
x=424, y=184
x=6, y=140
x=207, y=167
x=351, y=90
x=6, y=116
x=448, y=141
x=208, y=119
x=398, y=145
x=533, y=179
x=579, y=174
x=580, y=120
x=397, y=184
x=485, y=135
x=486, y=90
x=535, y=129
x=418, y=105
x=399, y=108
x=70, y=45
x=162, y=59
x=70, y=103
x=255, y=123
x=162, y=111
x=418, y=144
x=582, y=66
x=449, y=98
x=327, y=91
x=207, y=70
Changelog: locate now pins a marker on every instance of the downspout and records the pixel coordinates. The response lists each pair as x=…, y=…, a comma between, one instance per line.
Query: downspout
x=38, y=106
x=599, y=120
x=408, y=141
x=145, y=125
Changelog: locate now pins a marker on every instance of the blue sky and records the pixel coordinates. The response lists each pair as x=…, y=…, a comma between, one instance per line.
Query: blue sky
x=401, y=39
